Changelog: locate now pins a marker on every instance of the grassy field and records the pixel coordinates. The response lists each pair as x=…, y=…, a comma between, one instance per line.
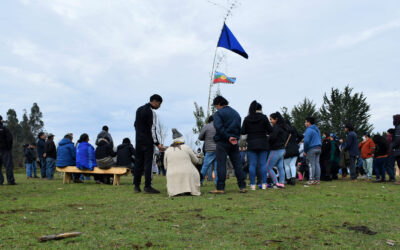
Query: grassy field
x=327, y=216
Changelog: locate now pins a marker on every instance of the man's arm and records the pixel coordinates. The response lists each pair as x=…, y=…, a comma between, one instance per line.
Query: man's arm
x=153, y=121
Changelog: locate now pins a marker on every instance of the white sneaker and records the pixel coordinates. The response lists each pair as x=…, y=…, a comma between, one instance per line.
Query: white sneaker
x=253, y=187
x=264, y=186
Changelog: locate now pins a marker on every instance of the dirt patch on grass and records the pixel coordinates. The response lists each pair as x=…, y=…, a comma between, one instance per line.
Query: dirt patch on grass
x=361, y=229
x=15, y=211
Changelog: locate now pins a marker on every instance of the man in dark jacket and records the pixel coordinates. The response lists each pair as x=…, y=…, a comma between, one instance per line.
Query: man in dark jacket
x=126, y=154
x=50, y=152
x=391, y=161
x=40, y=150
x=395, y=145
x=105, y=135
x=6, y=142
x=146, y=138
x=352, y=148
x=227, y=123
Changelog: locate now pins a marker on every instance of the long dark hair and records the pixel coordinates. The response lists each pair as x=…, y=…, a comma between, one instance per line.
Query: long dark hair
x=277, y=116
x=254, y=106
x=84, y=137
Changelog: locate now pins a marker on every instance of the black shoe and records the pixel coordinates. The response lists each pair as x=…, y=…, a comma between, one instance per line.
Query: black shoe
x=12, y=183
x=151, y=190
x=392, y=180
x=293, y=181
x=136, y=189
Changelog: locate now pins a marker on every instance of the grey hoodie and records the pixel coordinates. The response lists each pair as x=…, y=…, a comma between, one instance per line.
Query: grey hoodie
x=207, y=135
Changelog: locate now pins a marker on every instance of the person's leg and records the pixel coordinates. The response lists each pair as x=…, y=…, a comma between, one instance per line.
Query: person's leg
x=34, y=169
x=389, y=167
x=368, y=168
x=262, y=159
x=9, y=166
x=317, y=165
x=253, y=160
x=50, y=166
x=139, y=167
x=352, y=166
x=1, y=166
x=286, y=164
x=234, y=156
x=272, y=160
x=28, y=167
x=208, y=159
x=311, y=163
x=148, y=164
x=293, y=169
x=221, y=155
x=375, y=167
x=279, y=165
x=43, y=168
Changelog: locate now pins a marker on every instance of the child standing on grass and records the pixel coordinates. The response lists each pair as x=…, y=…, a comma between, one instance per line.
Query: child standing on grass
x=30, y=157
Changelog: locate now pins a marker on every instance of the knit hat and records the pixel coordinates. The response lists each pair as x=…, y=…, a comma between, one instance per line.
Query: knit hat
x=176, y=134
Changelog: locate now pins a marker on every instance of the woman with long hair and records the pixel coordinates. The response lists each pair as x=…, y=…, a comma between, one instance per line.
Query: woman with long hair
x=256, y=126
x=277, y=141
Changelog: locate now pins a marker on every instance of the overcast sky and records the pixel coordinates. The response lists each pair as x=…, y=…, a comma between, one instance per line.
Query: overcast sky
x=90, y=62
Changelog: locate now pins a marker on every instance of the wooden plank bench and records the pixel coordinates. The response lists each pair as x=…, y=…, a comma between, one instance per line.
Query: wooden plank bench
x=116, y=171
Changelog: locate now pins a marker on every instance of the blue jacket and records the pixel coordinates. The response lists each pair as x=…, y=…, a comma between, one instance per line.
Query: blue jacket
x=65, y=153
x=352, y=144
x=85, y=156
x=227, y=123
x=312, y=138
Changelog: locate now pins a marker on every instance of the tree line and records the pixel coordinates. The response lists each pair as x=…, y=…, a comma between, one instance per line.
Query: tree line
x=338, y=108
x=24, y=131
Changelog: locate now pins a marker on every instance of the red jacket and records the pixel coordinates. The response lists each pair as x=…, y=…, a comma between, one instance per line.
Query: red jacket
x=367, y=148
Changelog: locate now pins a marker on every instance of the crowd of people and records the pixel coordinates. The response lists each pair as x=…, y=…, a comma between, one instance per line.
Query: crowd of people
x=267, y=149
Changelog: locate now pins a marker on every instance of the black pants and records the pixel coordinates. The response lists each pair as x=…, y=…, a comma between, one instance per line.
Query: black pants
x=144, y=162
x=353, y=172
x=325, y=170
x=7, y=160
x=225, y=149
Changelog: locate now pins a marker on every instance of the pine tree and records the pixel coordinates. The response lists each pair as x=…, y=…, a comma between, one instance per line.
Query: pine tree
x=35, y=120
x=301, y=111
x=16, y=132
x=27, y=136
x=345, y=107
x=199, y=116
x=286, y=114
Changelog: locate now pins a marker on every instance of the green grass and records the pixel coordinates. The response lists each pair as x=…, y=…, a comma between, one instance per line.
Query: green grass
x=115, y=217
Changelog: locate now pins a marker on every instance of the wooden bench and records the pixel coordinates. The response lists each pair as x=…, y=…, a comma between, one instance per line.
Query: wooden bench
x=116, y=171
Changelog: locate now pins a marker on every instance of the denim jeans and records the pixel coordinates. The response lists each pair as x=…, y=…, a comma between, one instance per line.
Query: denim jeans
x=315, y=169
x=275, y=158
x=225, y=149
x=352, y=166
x=367, y=164
x=379, y=165
x=209, y=159
x=50, y=167
x=29, y=169
x=257, y=158
x=43, y=167
x=290, y=167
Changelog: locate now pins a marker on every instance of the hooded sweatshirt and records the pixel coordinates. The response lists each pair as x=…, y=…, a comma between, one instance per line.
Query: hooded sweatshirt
x=312, y=138
x=256, y=127
x=66, y=154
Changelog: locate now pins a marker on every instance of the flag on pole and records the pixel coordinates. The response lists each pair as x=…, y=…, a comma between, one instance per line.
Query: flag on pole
x=222, y=78
x=228, y=41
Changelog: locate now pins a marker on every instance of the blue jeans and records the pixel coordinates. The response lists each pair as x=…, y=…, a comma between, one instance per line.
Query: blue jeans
x=390, y=167
x=225, y=149
x=276, y=159
x=209, y=159
x=43, y=167
x=290, y=167
x=29, y=169
x=257, y=158
x=50, y=167
x=313, y=156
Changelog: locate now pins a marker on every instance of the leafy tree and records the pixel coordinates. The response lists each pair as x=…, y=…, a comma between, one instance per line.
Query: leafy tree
x=286, y=114
x=16, y=132
x=162, y=131
x=301, y=111
x=35, y=120
x=26, y=129
x=342, y=107
x=199, y=116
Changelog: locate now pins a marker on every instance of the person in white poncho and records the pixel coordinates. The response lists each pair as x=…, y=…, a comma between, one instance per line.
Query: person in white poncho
x=179, y=161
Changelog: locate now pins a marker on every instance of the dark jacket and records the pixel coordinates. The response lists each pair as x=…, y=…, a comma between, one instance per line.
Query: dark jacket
x=40, y=148
x=50, y=149
x=125, y=154
x=145, y=125
x=105, y=135
x=326, y=149
x=29, y=155
x=66, y=153
x=352, y=144
x=278, y=137
x=207, y=135
x=104, y=149
x=227, y=124
x=396, y=139
x=256, y=127
x=6, y=139
x=292, y=148
x=381, y=146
